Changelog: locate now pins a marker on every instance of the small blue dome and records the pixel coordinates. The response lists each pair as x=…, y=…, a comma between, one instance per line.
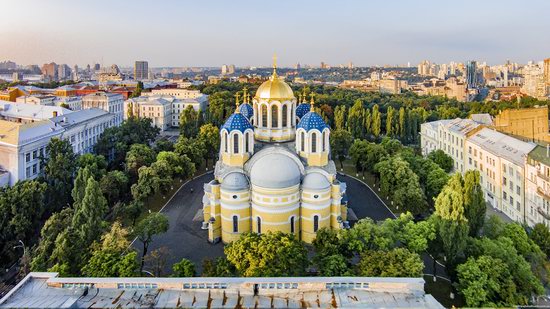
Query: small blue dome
x=311, y=121
x=237, y=122
x=246, y=110
x=302, y=109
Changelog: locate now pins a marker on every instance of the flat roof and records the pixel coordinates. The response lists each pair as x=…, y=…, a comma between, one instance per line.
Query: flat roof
x=46, y=290
x=502, y=145
x=461, y=126
x=80, y=116
x=30, y=111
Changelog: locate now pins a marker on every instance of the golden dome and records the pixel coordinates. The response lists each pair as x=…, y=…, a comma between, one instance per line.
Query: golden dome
x=274, y=88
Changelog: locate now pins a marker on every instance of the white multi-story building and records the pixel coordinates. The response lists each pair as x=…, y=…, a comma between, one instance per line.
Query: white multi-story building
x=73, y=103
x=21, y=145
x=25, y=113
x=110, y=102
x=83, y=128
x=38, y=99
x=501, y=161
x=157, y=108
x=452, y=136
x=429, y=135
x=537, y=184
x=179, y=100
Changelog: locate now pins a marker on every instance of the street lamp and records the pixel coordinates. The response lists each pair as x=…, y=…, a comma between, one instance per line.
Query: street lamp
x=22, y=245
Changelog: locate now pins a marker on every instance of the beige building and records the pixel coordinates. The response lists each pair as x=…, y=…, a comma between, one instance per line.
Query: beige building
x=534, y=82
x=109, y=102
x=501, y=161
x=530, y=124
x=452, y=137
x=38, y=99
x=178, y=93
x=157, y=108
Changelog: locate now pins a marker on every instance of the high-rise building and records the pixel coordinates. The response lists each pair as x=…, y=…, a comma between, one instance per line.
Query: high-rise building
x=225, y=69
x=75, y=72
x=471, y=74
x=547, y=75
x=141, y=70
x=63, y=72
x=97, y=67
x=424, y=68
x=49, y=70
x=231, y=69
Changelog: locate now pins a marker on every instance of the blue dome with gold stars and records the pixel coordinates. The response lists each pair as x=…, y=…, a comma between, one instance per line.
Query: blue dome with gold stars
x=246, y=110
x=237, y=122
x=311, y=121
x=302, y=109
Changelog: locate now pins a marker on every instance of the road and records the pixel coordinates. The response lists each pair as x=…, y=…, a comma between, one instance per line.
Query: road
x=186, y=239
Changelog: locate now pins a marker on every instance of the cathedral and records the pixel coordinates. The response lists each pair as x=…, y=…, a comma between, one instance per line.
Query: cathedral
x=274, y=171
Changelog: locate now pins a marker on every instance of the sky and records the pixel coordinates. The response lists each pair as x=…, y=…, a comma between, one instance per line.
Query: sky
x=248, y=33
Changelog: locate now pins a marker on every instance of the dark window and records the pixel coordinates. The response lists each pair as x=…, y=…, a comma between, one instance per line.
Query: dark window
x=292, y=225
x=315, y=223
x=226, y=141
x=235, y=224
x=235, y=143
x=264, y=116
x=303, y=141
x=323, y=142
x=259, y=221
x=285, y=112
x=274, y=116
x=313, y=142
x=247, y=142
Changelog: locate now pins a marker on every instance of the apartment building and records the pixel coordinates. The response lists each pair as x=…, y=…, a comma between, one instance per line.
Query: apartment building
x=109, y=102
x=21, y=145
x=177, y=93
x=537, y=184
x=429, y=135
x=38, y=99
x=157, y=108
x=501, y=161
x=529, y=124
x=451, y=138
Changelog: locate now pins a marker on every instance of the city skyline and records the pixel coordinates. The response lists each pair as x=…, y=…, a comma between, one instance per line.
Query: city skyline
x=178, y=33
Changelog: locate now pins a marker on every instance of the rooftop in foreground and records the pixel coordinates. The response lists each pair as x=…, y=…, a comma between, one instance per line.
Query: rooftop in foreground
x=46, y=290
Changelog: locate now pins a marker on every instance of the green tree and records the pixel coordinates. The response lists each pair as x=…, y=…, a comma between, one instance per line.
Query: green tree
x=358, y=153
x=335, y=265
x=112, y=257
x=340, y=117
x=220, y=105
x=474, y=202
x=340, y=142
x=114, y=186
x=88, y=216
x=189, y=122
x=436, y=180
x=54, y=226
x=267, y=255
x=183, y=268
x=541, y=236
x=59, y=168
x=442, y=159
x=80, y=183
x=402, y=125
x=163, y=144
x=209, y=135
x=451, y=222
x=153, y=224
x=390, y=122
x=194, y=149
x=96, y=164
x=486, y=282
x=376, y=121
x=181, y=165
x=356, y=120
x=137, y=92
x=139, y=155
x=398, y=262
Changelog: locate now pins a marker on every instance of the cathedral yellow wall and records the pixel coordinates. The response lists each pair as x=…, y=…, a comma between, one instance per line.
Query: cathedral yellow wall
x=231, y=207
x=317, y=159
x=270, y=205
x=235, y=159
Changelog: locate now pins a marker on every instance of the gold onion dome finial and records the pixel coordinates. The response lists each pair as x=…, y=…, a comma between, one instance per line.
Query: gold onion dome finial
x=312, y=103
x=245, y=95
x=237, y=103
x=274, y=66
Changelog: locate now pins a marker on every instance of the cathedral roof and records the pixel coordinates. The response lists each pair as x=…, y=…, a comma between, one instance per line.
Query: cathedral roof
x=275, y=171
x=234, y=181
x=311, y=121
x=302, y=109
x=315, y=181
x=246, y=110
x=237, y=122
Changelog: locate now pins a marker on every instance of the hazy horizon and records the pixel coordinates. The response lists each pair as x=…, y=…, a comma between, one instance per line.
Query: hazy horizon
x=246, y=33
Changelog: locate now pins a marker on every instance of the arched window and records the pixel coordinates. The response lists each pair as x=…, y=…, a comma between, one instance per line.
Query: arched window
x=313, y=142
x=303, y=141
x=285, y=115
x=292, y=225
x=235, y=143
x=255, y=115
x=264, y=116
x=324, y=141
x=315, y=223
x=259, y=222
x=274, y=116
x=247, y=142
x=235, y=224
x=225, y=141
